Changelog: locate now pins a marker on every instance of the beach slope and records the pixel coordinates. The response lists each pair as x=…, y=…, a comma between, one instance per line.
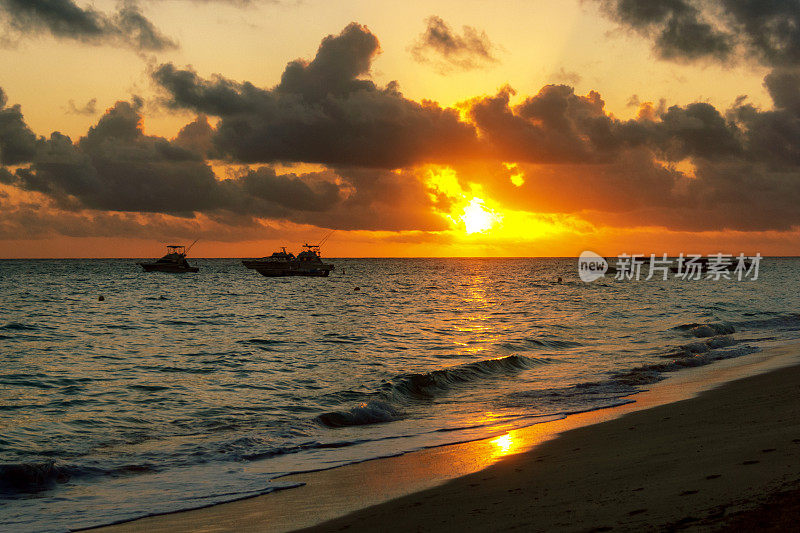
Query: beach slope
x=727, y=458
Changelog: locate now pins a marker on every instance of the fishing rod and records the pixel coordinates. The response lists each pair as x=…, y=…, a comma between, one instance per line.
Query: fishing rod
x=190, y=246
x=328, y=236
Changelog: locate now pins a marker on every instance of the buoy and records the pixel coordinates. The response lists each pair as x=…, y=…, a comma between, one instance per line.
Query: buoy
x=558, y=280
x=162, y=297
x=356, y=288
x=101, y=298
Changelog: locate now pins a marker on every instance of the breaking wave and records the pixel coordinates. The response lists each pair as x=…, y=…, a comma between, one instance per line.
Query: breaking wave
x=706, y=330
x=647, y=374
x=29, y=478
x=383, y=405
x=428, y=385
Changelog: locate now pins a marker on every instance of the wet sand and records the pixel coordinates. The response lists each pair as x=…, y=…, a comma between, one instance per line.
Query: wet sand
x=729, y=457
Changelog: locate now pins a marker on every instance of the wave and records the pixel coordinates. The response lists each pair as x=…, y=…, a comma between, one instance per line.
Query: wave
x=781, y=322
x=428, y=385
x=647, y=374
x=33, y=477
x=706, y=330
x=614, y=391
x=553, y=343
x=372, y=412
x=173, y=322
x=701, y=346
x=767, y=320
x=23, y=478
x=530, y=344
x=336, y=338
x=571, y=399
x=383, y=404
x=261, y=342
x=17, y=326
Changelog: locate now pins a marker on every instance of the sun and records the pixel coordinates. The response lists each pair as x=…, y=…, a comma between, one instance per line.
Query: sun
x=477, y=218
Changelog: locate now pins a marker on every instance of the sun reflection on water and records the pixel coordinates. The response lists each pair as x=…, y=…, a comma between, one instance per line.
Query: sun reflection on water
x=504, y=445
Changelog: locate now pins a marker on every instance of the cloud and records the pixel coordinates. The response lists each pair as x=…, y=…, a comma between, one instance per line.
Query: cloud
x=89, y=108
x=554, y=126
x=197, y=136
x=689, y=167
x=39, y=218
x=440, y=46
x=720, y=30
x=17, y=141
x=117, y=167
x=64, y=19
x=566, y=77
x=783, y=85
x=322, y=111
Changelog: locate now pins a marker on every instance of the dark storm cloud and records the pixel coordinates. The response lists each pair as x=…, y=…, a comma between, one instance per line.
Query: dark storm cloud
x=119, y=168
x=678, y=28
x=783, y=85
x=64, y=19
x=716, y=29
x=32, y=220
x=554, y=126
x=558, y=126
x=197, y=136
x=322, y=111
x=697, y=129
x=17, y=141
x=447, y=50
x=311, y=193
x=116, y=167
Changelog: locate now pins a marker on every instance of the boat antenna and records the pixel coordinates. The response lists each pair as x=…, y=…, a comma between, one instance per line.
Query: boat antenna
x=190, y=246
x=328, y=236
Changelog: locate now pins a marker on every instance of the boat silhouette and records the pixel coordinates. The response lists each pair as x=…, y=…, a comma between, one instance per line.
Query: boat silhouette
x=175, y=261
x=306, y=263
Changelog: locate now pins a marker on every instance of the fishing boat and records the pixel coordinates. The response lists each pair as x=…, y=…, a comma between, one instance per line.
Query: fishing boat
x=306, y=263
x=175, y=261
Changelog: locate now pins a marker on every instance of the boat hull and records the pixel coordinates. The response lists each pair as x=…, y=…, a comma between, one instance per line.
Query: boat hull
x=173, y=269
x=284, y=273
x=274, y=269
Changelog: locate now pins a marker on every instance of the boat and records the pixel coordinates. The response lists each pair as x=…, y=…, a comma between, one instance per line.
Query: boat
x=283, y=263
x=175, y=261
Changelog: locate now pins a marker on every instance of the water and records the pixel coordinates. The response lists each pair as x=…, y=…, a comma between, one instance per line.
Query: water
x=179, y=391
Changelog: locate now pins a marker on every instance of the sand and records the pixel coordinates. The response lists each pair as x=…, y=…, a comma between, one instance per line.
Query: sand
x=728, y=458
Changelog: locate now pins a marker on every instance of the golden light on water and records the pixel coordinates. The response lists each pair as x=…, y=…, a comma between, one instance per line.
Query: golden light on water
x=504, y=442
x=504, y=445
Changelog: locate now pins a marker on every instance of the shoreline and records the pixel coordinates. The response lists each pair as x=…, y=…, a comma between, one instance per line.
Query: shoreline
x=351, y=491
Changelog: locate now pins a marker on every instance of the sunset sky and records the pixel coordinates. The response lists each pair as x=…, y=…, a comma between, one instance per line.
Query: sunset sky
x=441, y=128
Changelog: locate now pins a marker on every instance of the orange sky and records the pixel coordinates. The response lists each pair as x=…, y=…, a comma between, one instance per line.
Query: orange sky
x=472, y=153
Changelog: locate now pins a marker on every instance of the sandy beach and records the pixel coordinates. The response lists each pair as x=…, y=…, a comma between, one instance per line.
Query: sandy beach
x=709, y=448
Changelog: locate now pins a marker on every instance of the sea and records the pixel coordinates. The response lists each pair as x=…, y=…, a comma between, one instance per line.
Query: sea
x=178, y=391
